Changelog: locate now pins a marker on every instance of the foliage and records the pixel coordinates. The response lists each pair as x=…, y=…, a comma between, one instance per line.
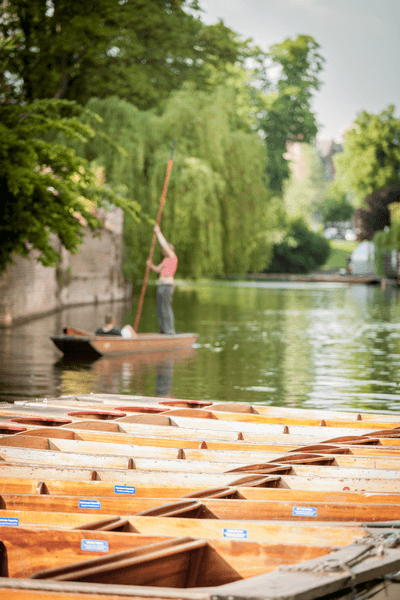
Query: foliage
x=300, y=251
x=140, y=50
x=371, y=158
x=376, y=215
x=218, y=213
x=333, y=209
x=303, y=192
x=386, y=241
x=45, y=187
x=288, y=114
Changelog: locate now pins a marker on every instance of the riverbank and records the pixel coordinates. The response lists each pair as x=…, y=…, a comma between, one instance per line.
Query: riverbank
x=322, y=276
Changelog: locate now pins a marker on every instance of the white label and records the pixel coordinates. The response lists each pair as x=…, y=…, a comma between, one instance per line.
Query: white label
x=304, y=511
x=94, y=545
x=89, y=504
x=235, y=534
x=124, y=489
x=9, y=522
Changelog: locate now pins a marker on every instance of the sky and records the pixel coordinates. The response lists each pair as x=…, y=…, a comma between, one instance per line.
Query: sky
x=359, y=39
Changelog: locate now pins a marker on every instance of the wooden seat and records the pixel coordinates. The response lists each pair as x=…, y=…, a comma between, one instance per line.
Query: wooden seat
x=174, y=563
x=182, y=508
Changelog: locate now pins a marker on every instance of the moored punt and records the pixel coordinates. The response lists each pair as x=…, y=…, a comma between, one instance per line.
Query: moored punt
x=169, y=468
x=313, y=464
x=92, y=346
x=192, y=418
x=278, y=478
x=30, y=551
x=100, y=489
x=206, y=508
x=209, y=568
x=235, y=407
x=305, y=533
x=205, y=425
x=358, y=445
x=143, y=455
x=158, y=458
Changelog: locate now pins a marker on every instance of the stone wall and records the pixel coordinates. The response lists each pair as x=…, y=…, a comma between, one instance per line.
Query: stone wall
x=28, y=289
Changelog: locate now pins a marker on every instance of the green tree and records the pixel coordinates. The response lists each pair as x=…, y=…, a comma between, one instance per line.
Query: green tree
x=389, y=240
x=300, y=251
x=45, y=188
x=140, y=50
x=219, y=213
x=333, y=209
x=288, y=114
x=371, y=157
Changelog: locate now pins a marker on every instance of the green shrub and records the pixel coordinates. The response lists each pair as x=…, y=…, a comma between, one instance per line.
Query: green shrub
x=300, y=251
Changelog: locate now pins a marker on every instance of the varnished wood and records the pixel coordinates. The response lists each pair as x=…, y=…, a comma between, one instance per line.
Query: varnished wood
x=99, y=489
x=300, y=532
x=108, y=345
x=163, y=480
x=30, y=551
x=207, y=508
x=363, y=447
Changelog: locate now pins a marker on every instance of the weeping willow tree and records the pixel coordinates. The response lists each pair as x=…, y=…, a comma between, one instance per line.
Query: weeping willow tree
x=219, y=214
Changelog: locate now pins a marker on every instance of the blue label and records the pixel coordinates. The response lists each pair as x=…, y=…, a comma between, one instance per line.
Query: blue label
x=89, y=504
x=94, y=545
x=304, y=511
x=124, y=489
x=9, y=522
x=236, y=534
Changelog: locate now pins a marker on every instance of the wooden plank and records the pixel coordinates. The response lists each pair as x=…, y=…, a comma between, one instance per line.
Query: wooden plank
x=199, y=480
x=279, y=445
x=29, y=551
x=212, y=460
x=237, y=407
x=213, y=509
x=299, y=532
x=100, y=489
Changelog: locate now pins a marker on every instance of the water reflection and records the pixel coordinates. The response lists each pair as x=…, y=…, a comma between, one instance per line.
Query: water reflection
x=126, y=374
x=293, y=344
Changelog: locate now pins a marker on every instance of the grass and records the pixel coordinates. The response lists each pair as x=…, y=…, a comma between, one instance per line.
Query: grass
x=340, y=250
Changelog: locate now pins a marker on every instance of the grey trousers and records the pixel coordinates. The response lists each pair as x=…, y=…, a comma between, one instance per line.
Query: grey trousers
x=164, y=308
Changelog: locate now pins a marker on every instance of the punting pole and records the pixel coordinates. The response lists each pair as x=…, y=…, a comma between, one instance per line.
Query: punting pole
x=153, y=241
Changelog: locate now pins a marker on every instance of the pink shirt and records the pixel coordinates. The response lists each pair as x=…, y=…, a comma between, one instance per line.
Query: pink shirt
x=169, y=266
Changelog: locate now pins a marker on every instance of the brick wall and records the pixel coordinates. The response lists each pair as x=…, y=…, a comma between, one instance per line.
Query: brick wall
x=28, y=289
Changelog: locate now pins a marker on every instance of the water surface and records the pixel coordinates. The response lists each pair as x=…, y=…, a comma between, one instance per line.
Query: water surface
x=291, y=344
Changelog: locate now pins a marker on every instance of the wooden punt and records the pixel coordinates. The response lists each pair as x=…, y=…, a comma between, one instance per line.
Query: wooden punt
x=187, y=568
x=29, y=552
x=149, y=430
x=238, y=411
x=306, y=413
x=140, y=480
x=47, y=452
x=357, y=446
x=207, y=508
x=224, y=476
x=204, y=425
x=92, y=346
x=220, y=415
x=100, y=489
x=145, y=456
x=190, y=417
x=236, y=407
x=305, y=533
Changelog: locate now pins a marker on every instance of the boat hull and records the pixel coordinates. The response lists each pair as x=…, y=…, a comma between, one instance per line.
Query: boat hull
x=96, y=346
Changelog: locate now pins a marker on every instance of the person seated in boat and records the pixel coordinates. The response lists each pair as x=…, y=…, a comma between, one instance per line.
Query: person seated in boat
x=109, y=329
x=166, y=285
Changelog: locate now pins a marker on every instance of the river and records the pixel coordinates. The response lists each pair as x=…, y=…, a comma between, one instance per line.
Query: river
x=307, y=345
